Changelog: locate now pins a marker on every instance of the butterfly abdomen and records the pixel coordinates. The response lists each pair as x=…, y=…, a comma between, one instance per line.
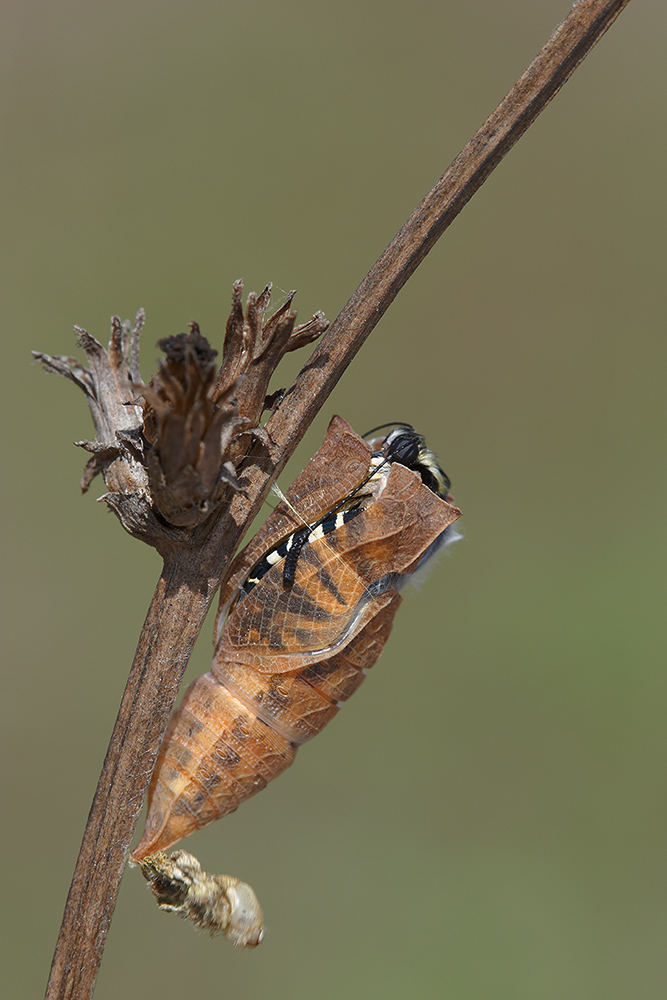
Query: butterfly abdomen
x=237, y=729
x=214, y=755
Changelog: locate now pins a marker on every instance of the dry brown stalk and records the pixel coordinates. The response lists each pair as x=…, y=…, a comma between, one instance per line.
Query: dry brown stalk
x=196, y=549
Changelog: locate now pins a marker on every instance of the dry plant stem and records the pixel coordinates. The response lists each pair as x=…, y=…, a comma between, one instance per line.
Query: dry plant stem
x=570, y=43
x=181, y=600
x=151, y=689
x=189, y=580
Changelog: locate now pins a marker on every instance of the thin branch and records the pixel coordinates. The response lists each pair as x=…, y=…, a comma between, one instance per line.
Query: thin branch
x=191, y=576
x=569, y=44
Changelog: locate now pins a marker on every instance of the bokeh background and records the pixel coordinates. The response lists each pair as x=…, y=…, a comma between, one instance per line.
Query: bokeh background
x=486, y=818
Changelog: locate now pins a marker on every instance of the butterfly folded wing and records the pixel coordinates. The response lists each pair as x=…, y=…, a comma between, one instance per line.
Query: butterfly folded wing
x=342, y=581
x=334, y=471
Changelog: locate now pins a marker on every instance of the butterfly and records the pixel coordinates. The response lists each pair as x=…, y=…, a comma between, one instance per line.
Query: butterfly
x=305, y=609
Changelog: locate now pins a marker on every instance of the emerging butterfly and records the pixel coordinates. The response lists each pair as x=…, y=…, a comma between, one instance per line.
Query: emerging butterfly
x=305, y=610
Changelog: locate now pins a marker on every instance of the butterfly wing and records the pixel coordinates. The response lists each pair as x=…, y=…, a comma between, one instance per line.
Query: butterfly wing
x=336, y=469
x=341, y=581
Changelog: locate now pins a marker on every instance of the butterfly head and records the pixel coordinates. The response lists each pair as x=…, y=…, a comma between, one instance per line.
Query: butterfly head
x=405, y=445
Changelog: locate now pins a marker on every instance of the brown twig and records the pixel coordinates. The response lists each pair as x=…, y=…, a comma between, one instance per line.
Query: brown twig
x=569, y=44
x=191, y=575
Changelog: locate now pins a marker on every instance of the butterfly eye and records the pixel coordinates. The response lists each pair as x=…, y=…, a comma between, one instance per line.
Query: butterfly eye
x=403, y=448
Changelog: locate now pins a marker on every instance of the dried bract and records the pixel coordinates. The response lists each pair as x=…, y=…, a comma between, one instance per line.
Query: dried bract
x=253, y=347
x=107, y=385
x=216, y=903
x=188, y=428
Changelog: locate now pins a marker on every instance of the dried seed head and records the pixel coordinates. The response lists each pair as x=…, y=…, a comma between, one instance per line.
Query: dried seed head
x=216, y=903
x=169, y=449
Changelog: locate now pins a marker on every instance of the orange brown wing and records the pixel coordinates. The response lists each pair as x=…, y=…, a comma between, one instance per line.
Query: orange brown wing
x=338, y=586
x=334, y=471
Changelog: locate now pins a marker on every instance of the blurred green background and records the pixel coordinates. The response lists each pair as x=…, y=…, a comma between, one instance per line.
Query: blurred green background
x=486, y=818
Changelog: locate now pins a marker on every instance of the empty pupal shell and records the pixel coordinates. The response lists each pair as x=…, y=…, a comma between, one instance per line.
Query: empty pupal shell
x=216, y=903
